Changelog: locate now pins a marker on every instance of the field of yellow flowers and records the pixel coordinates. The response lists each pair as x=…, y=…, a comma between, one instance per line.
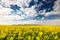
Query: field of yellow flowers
x=29, y=32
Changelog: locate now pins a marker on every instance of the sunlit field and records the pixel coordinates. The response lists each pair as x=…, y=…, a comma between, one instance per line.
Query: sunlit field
x=29, y=32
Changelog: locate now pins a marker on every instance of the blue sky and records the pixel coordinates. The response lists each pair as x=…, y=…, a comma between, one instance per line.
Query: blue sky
x=24, y=10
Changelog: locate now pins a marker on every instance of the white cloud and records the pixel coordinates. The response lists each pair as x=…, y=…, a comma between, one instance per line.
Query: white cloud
x=23, y=3
x=8, y=2
x=30, y=12
x=56, y=9
x=10, y=17
x=1, y=7
x=57, y=5
x=5, y=11
x=49, y=22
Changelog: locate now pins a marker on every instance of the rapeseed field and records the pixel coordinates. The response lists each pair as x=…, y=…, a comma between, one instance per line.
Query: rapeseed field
x=29, y=32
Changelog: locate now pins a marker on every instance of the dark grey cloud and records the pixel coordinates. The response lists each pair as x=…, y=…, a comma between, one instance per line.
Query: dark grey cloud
x=52, y=17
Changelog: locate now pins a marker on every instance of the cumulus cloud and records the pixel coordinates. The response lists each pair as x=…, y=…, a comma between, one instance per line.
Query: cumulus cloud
x=8, y=2
x=7, y=13
x=20, y=3
x=56, y=9
x=5, y=10
x=30, y=12
x=11, y=17
x=5, y=4
x=23, y=3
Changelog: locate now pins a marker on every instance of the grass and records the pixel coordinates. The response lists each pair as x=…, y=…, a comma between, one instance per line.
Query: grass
x=29, y=32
